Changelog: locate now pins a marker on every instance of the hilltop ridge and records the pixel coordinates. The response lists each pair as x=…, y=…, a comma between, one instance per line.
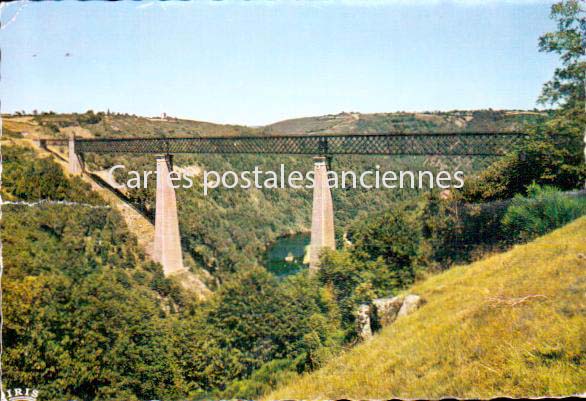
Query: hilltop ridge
x=365, y=123
x=102, y=124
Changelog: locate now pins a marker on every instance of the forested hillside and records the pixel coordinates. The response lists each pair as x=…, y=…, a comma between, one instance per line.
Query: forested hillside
x=78, y=293
x=232, y=228
x=96, y=319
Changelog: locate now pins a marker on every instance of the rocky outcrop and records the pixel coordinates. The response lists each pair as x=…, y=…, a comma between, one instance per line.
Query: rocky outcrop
x=410, y=304
x=363, y=327
x=386, y=309
x=382, y=312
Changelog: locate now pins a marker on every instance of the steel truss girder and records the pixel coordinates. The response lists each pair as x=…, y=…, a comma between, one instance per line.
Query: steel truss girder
x=417, y=144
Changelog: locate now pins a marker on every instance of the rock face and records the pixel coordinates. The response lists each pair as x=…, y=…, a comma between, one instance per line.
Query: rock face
x=363, y=328
x=410, y=304
x=386, y=309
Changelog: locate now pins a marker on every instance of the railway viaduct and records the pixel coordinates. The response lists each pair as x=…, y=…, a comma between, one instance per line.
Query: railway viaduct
x=167, y=242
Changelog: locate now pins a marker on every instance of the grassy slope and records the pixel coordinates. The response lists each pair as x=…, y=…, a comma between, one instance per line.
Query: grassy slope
x=512, y=324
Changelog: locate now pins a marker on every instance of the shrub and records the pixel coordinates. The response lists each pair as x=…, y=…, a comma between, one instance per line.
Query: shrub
x=269, y=376
x=542, y=210
x=458, y=232
x=395, y=237
x=542, y=159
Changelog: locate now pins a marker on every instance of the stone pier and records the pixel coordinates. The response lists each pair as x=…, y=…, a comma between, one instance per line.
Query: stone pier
x=40, y=143
x=167, y=246
x=75, y=160
x=322, y=218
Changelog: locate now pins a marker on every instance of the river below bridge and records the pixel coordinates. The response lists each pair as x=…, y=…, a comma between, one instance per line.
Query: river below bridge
x=286, y=256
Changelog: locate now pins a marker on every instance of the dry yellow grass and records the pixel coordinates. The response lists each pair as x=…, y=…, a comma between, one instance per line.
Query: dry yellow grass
x=19, y=124
x=512, y=324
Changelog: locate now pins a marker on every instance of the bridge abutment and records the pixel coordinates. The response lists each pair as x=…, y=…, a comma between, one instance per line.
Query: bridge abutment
x=75, y=160
x=322, y=217
x=167, y=246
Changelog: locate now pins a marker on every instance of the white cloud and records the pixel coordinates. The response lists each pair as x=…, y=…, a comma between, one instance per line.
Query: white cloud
x=144, y=5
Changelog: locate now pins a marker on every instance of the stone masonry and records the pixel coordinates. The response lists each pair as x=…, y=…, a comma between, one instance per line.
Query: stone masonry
x=167, y=247
x=322, y=218
x=75, y=162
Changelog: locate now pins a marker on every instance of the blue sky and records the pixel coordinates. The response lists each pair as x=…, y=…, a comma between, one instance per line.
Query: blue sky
x=259, y=62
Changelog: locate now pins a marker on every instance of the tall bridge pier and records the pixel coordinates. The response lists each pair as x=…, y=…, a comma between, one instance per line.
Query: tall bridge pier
x=75, y=159
x=322, y=216
x=167, y=246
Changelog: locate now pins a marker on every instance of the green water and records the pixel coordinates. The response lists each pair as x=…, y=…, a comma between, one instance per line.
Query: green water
x=285, y=256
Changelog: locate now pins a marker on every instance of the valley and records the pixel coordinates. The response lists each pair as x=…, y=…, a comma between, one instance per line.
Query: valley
x=246, y=316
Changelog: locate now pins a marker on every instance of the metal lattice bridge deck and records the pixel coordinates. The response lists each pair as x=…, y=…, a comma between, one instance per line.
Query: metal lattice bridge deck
x=418, y=144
